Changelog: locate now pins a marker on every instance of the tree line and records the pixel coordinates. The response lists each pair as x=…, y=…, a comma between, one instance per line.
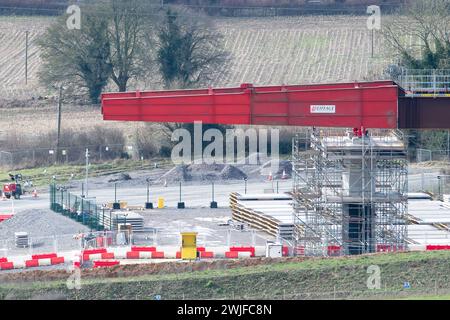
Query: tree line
x=120, y=41
x=427, y=23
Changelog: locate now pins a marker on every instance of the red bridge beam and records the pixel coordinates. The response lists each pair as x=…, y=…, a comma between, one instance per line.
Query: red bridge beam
x=424, y=112
x=367, y=104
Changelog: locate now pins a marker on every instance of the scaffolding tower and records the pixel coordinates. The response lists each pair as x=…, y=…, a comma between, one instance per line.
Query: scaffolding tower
x=350, y=192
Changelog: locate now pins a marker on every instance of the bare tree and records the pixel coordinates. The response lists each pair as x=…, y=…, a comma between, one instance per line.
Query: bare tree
x=130, y=20
x=190, y=50
x=77, y=59
x=420, y=34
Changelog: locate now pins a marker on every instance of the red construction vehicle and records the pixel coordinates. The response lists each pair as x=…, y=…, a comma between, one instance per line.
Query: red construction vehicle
x=13, y=189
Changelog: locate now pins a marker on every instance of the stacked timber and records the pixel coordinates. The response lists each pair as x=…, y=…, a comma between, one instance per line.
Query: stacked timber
x=271, y=213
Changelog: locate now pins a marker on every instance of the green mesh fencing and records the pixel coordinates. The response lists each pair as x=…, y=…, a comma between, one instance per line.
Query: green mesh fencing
x=83, y=210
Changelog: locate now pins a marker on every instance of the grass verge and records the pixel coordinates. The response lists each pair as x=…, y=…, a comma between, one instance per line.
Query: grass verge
x=328, y=278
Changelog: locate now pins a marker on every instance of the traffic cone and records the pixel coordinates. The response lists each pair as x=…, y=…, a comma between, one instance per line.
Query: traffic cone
x=35, y=195
x=270, y=177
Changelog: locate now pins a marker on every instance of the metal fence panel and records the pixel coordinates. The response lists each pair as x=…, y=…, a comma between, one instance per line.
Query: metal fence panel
x=79, y=209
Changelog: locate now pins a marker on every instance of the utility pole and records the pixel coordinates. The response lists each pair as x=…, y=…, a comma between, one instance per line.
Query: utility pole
x=59, y=123
x=87, y=171
x=373, y=34
x=26, y=56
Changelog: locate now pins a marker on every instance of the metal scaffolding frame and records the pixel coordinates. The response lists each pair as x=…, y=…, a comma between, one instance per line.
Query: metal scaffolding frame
x=349, y=192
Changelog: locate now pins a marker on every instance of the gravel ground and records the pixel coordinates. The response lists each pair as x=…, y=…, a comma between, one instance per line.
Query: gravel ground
x=48, y=231
x=39, y=223
x=51, y=232
x=188, y=174
x=209, y=223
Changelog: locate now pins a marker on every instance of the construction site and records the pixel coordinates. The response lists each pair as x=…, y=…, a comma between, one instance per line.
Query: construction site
x=344, y=192
x=242, y=222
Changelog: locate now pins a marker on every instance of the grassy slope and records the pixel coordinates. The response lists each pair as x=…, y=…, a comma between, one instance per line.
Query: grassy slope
x=42, y=177
x=428, y=273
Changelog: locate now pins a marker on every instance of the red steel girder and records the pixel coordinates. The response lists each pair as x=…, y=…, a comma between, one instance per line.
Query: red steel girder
x=358, y=104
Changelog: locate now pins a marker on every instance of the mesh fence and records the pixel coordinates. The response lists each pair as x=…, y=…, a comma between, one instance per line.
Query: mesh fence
x=424, y=155
x=79, y=209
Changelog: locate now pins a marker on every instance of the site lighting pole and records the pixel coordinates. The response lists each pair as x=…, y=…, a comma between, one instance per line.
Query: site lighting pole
x=213, y=203
x=116, y=205
x=87, y=171
x=148, y=204
x=245, y=184
x=180, y=203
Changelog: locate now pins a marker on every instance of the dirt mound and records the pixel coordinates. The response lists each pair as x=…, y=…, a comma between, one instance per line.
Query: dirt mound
x=120, y=177
x=203, y=172
x=177, y=174
x=230, y=172
x=257, y=158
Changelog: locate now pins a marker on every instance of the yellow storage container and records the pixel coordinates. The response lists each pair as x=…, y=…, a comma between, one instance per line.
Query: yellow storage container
x=123, y=204
x=160, y=202
x=189, y=245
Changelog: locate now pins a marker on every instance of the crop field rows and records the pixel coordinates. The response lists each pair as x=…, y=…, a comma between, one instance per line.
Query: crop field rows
x=264, y=50
x=12, y=54
x=296, y=56
x=276, y=50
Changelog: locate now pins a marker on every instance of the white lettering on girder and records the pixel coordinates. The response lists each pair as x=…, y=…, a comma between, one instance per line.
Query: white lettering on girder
x=323, y=109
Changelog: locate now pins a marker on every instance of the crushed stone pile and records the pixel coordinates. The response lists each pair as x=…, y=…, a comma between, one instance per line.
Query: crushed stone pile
x=230, y=172
x=257, y=158
x=203, y=172
x=39, y=223
x=176, y=174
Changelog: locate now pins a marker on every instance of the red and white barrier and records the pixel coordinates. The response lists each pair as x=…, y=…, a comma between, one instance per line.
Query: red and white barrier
x=4, y=217
x=93, y=254
x=436, y=247
x=106, y=263
x=38, y=260
x=107, y=257
x=6, y=266
x=145, y=255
